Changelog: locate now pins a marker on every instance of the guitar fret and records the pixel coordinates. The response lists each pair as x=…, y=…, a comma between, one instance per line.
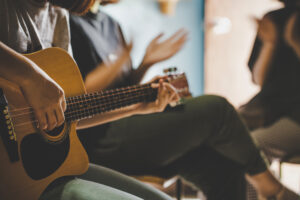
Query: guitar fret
x=88, y=105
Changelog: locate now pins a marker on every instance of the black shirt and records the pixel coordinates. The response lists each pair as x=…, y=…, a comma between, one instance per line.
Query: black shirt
x=96, y=39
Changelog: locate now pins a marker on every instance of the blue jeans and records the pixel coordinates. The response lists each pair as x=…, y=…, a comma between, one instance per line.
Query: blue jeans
x=100, y=183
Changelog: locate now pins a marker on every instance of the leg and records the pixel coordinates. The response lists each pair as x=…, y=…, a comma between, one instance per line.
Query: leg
x=79, y=189
x=122, y=182
x=279, y=140
x=217, y=177
x=142, y=143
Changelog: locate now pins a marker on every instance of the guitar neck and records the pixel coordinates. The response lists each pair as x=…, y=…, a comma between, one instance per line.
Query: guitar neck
x=88, y=105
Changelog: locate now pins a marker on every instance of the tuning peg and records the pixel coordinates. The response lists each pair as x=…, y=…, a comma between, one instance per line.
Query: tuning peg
x=170, y=70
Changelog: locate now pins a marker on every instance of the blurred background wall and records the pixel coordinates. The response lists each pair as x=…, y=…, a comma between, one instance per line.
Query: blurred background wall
x=141, y=21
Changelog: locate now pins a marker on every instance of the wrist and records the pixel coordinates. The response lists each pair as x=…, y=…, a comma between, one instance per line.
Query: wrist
x=146, y=65
x=141, y=109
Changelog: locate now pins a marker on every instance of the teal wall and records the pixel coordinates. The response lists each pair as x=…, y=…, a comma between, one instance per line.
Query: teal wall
x=141, y=21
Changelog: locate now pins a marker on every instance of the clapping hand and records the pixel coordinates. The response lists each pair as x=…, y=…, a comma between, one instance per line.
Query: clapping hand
x=158, y=50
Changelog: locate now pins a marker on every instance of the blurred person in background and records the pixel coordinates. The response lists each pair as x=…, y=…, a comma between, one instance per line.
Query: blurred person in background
x=273, y=114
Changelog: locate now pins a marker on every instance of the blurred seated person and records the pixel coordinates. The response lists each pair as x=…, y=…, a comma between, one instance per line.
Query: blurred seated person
x=274, y=113
x=173, y=142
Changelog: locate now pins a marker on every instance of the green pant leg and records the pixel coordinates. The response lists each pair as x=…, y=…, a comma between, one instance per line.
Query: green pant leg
x=146, y=142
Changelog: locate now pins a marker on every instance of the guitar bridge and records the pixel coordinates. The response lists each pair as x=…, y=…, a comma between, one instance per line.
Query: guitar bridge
x=7, y=131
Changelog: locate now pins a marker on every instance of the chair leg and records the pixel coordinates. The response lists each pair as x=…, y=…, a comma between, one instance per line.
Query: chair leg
x=178, y=189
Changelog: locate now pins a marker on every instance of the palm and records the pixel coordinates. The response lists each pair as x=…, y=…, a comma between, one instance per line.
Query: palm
x=162, y=50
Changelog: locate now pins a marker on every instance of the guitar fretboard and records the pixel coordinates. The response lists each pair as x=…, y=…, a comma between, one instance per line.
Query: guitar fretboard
x=88, y=105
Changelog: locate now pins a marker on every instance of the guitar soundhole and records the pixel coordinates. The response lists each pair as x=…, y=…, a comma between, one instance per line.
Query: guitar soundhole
x=56, y=131
x=40, y=158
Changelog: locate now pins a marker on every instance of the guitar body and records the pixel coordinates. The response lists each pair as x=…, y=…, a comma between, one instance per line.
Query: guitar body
x=38, y=162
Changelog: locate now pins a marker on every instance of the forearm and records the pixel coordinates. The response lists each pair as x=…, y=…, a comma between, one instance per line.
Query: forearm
x=103, y=75
x=108, y=117
x=263, y=63
x=166, y=94
x=101, y=78
x=15, y=67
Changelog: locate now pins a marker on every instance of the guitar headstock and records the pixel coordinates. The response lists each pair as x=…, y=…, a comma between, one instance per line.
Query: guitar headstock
x=178, y=81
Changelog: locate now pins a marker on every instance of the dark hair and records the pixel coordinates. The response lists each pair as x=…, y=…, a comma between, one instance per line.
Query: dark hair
x=290, y=2
x=79, y=7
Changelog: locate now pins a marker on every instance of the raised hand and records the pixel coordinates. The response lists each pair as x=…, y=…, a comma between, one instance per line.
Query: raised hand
x=162, y=50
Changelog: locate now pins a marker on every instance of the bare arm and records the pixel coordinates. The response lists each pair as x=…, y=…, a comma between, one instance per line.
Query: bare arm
x=166, y=95
x=103, y=75
x=42, y=93
x=268, y=33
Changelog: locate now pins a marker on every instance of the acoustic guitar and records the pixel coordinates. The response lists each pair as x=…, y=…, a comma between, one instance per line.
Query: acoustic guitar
x=31, y=159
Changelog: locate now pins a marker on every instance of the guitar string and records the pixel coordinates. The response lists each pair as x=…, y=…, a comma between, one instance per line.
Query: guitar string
x=101, y=95
x=95, y=96
x=113, y=92
x=171, y=78
x=123, y=99
x=84, y=111
x=35, y=121
x=78, y=103
x=92, y=101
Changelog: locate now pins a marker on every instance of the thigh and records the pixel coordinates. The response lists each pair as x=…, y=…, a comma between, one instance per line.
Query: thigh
x=280, y=139
x=79, y=189
x=122, y=182
x=139, y=144
x=151, y=141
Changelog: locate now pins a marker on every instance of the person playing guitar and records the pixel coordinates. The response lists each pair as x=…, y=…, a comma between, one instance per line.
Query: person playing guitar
x=30, y=25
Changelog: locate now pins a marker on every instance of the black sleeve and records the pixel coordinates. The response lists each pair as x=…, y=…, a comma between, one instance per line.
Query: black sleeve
x=83, y=51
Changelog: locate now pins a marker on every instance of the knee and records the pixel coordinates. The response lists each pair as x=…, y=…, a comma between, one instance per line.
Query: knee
x=218, y=101
x=218, y=104
x=212, y=108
